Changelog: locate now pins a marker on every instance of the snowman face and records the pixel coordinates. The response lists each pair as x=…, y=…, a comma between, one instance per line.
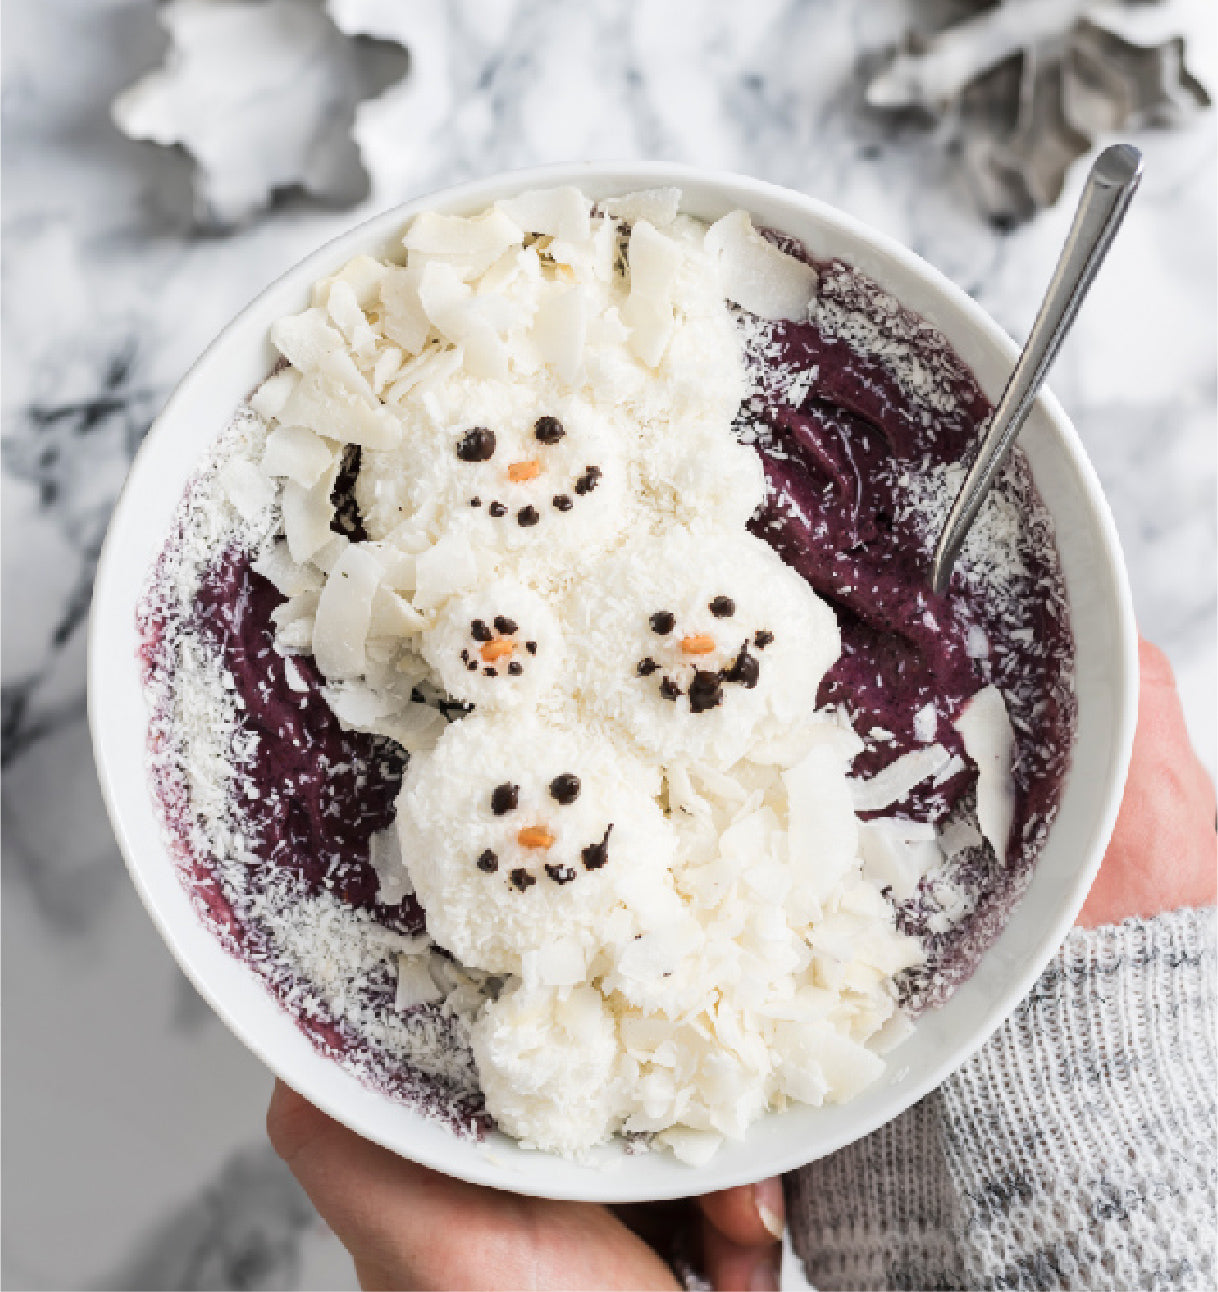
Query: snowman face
x=523, y=489
x=495, y=647
x=529, y=475
x=699, y=645
x=518, y=833
x=541, y=487
x=535, y=839
x=694, y=667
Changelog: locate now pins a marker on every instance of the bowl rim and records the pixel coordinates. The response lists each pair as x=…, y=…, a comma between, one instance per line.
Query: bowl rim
x=485, y=1168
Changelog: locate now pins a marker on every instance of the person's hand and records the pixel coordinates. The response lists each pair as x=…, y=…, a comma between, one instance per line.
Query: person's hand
x=1162, y=853
x=408, y=1227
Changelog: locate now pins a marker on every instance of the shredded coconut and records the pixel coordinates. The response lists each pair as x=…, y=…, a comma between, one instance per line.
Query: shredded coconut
x=686, y=923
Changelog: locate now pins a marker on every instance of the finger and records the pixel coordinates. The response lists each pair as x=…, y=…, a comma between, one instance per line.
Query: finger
x=1162, y=852
x=1163, y=849
x=751, y=1214
x=733, y=1267
x=409, y=1227
x=673, y=1229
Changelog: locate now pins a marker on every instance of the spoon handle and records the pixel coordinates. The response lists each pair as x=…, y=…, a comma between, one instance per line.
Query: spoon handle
x=1111, y=184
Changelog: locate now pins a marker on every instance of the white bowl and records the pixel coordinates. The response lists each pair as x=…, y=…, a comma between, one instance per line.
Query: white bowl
x=1107, y=698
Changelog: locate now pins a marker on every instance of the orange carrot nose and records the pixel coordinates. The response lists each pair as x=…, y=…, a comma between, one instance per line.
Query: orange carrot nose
x=521, y=471
x=491, y=651
x=698, y=644
x=535, y=836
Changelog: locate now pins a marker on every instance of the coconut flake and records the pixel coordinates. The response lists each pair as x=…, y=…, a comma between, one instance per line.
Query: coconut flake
x=485, y=355
x=271, y=396
x=896, y=854
x=448, y=568
x=958, y=835
x=416, y=727
x=554, y=212
x=298, y=453
x=247, y=488
x=275, y=563
x=693, y=1147
x=755, y=275
x=394, y=616
x=307, y=514
x=926, y=723
x=344, y=309
x=823, y=830
x=403, y=319
x=362, y=274
x=477, y=238
x=559, y=330
x=338, y=413
x=356, y=705
x=344, y=611
x=306, y=339
x=650, y=320
x=658, y=206
x=654, y=260
x=895, y=781
x=416, y=986
x=989, y=741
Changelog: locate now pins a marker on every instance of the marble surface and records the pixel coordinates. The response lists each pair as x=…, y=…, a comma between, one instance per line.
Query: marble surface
x=134, y=1153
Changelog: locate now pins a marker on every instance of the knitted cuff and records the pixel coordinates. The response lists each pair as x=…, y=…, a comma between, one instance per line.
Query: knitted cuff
x=1076, y=1149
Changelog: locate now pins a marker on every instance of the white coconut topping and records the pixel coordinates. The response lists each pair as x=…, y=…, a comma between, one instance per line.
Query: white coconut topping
x=499, y=858
x=755, y=274
x=989, y=741
x=496, y=647
x=699, y=644
x=645, y=823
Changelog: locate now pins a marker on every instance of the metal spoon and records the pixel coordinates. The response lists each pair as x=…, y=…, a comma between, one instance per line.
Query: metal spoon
x=1111, y=184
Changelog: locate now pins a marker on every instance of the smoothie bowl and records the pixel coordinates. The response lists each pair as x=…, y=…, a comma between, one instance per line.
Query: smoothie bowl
x=519, y=699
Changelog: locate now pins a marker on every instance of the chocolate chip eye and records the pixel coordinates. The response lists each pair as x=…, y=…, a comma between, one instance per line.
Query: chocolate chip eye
x=476, y=445
x=663, y=621
x=479, y=631
x=564, y=789
x=549, y=430
x=505, y=798
x=505, y=626
x=722, y=607
x=762, y=638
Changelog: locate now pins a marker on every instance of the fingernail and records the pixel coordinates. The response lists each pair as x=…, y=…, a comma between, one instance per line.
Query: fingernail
x=767, y=1198
x=765, y=1275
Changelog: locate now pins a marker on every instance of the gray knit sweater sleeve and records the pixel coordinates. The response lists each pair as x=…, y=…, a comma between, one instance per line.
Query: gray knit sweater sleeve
x=1075, y=1150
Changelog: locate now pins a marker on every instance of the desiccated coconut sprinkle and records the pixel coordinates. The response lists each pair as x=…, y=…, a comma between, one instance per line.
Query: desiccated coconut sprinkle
x=651, y=906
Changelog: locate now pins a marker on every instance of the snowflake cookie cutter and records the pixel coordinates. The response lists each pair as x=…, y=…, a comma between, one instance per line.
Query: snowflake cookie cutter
x=1030, y=84
x=265, y=97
